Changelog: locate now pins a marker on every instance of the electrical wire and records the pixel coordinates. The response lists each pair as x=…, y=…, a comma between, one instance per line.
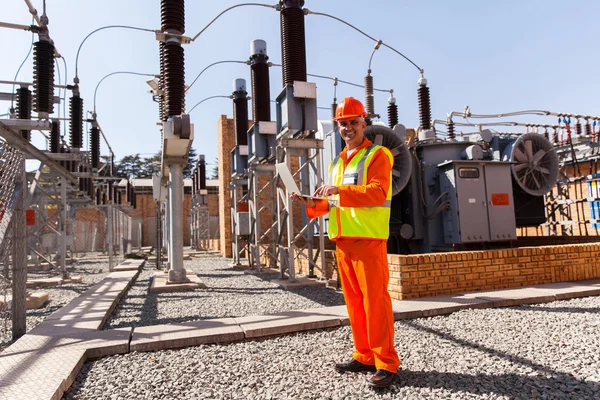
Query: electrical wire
x=21, y=66
x=76, y=79
x=370, y=37
x=231, y=8
x=64, y=98
x=208, y=98
x=115, y=73
x=338, y=80
x=215, y=63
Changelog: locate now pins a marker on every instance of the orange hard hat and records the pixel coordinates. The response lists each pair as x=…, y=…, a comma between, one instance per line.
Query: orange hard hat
x=350, y=108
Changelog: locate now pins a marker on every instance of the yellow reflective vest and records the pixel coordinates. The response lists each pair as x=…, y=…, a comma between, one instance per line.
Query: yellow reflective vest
x=358, y=222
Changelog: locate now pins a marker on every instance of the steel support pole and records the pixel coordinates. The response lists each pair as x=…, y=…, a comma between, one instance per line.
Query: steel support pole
x=176, y=270
x=19, y=261
x=63, y=227
x=109, y=239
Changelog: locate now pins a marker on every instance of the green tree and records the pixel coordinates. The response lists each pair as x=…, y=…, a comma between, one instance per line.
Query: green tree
x=150, y=166
x=192, y=160
x=215, y=170
x=129, y=166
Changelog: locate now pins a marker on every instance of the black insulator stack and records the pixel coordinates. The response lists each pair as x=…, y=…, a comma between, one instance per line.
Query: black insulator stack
x=172, y=15
x=111, y=192
x=240, y=117
x=62, y=151
x=450, y=129
x=95, y=147
x=128, y=192
x=82, y=181
x=161, y=84
x=261, y=92
x=98, y=196
x=392, y=111
x=76, y=107
x=578, y=129
x=588, y=129
x=55, y=137
x=118, y=196
x=174, y=79
x=43, y=77
x=555, y=138
x=369, y=102
x=424, y=107
x=104, y=198
x=194, y=178
x=202, y=173
x=24, y=98
x=134, y=199
x=293, y=46
x=172, y=59
x=90, y=185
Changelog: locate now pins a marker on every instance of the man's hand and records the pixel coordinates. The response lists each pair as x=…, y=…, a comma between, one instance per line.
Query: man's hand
x=326, y=190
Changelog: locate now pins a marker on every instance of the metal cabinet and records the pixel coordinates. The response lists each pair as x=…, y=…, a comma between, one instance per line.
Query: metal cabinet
x=480, y=201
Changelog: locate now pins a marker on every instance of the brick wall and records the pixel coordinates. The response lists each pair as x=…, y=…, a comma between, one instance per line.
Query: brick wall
x=226, y=142
x=438, y=274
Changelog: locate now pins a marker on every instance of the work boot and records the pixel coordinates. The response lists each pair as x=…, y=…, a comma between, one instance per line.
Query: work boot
x=353, y=366
x=381, y=379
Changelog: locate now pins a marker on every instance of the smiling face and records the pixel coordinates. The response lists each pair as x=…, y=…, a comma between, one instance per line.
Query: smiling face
x=352, y=130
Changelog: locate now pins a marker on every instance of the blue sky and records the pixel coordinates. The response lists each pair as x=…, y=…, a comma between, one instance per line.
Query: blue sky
x=495, y=56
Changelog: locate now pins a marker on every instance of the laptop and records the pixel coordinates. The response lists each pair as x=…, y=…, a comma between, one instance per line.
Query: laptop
x=289, y=182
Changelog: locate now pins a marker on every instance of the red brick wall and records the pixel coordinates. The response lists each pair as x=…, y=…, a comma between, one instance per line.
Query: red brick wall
x=438, y=274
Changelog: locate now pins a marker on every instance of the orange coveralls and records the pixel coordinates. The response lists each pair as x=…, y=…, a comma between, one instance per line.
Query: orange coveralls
x=363, y=269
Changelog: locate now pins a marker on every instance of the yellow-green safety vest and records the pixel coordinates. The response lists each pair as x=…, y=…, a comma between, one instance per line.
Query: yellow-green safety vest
x=358, y=222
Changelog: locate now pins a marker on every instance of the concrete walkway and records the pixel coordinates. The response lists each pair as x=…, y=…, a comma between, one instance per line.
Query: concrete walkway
x=44, y=363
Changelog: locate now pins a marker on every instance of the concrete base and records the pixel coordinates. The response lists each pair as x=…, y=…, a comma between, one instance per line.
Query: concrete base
x=44, y=282
x=126, y=268
x=160, y=283
x=36, y=300
x=44, y=266
x=73, y=279
x=298, y=282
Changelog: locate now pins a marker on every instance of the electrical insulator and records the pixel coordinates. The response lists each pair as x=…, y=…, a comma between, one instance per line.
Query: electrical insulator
x=111, y=191
x=450, y=129
x=392, y=110
x=259, y=78
x=76, y=107
x=424, y=104
x=174, y=79
x=293, y=45
x=578, y=129
x=369, y=104
x=95, y=147
x=24, y=99
x=202, y=173
x=588, y=129
x=55, y=137
x=240, y=112
x=172, y=15
x=161, y=84
x=98, y=196
x=43, y=77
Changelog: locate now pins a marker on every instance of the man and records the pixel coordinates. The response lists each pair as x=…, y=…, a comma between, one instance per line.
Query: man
x=359, y=213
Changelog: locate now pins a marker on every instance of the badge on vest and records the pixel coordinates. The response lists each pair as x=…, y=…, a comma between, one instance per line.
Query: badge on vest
x=350, y=179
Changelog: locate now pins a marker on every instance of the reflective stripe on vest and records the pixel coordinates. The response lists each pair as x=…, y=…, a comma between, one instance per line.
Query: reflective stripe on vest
x=358, y=222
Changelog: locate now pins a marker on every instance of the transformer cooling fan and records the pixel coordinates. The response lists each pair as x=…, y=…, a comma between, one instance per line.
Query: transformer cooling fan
x=536, y=163
x=402, y=169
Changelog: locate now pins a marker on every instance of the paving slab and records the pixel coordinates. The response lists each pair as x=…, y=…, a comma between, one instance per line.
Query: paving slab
x=570, y=290
x=265, y=271
x=512, y=297
x=432, y=306
x=173, y=336
x=287, y=322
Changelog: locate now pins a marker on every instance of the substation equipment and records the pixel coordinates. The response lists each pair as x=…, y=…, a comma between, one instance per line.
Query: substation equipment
x=450, y=192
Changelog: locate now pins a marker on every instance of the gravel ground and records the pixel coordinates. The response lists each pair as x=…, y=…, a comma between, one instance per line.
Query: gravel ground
x=91, y=271
x=230, y=293
x=547, y=351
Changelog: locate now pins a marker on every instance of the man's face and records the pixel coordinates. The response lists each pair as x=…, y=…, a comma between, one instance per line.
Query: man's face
x=352, y=131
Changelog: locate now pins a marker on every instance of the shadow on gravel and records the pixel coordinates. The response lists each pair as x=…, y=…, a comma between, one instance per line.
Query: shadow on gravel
x=514, y=386
x=543, y=383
